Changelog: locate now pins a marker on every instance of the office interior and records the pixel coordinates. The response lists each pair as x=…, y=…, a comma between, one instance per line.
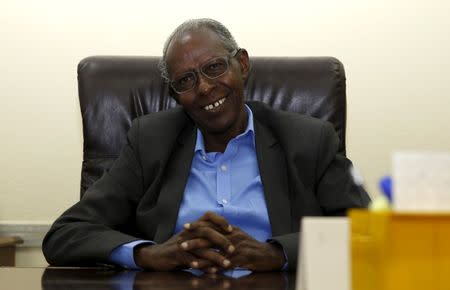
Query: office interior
x=395, y=53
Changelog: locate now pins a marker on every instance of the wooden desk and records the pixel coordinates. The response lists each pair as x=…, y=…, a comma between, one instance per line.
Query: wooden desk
x=95, y=278
x=8, y=250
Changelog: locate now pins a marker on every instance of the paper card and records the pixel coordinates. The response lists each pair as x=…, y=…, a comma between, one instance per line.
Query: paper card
x=324, y=261
x=421, y=181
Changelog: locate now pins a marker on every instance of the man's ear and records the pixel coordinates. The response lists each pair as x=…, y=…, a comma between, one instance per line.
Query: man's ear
x=244, y=62
x=174, y=95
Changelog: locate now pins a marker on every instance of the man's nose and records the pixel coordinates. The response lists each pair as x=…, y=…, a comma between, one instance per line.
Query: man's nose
x=205, y=85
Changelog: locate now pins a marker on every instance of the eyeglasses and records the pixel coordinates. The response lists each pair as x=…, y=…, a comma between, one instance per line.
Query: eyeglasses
x=213, y=69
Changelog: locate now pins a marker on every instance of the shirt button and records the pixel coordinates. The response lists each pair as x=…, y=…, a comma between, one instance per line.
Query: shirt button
x=224, y=201
x=223, y=167
x=204, y=157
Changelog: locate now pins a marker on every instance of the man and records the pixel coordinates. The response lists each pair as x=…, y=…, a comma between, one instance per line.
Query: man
x=217, y=184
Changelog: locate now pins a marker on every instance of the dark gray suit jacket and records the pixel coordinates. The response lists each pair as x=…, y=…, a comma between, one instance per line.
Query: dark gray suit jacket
x=139, y=197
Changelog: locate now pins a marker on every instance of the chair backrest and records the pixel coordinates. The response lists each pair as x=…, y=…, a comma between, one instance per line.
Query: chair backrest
x=114, y=90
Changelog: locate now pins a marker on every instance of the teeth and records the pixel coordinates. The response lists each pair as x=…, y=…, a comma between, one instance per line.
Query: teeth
x=215, y=105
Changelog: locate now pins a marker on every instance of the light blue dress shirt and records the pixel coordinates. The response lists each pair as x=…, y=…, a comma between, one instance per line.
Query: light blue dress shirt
x=227, y=183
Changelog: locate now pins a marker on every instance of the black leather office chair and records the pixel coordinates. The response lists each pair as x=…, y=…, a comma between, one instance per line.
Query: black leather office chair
x=114, y=90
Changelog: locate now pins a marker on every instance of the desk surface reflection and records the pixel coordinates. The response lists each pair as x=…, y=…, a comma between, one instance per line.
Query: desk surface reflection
x=99, y=279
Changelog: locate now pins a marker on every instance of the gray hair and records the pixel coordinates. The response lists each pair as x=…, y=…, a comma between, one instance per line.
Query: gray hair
x=195, y=25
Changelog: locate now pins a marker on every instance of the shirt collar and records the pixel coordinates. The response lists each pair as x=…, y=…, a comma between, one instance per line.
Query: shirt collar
x=200, y=145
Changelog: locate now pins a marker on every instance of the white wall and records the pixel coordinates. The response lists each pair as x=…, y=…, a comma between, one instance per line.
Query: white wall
x=396, y=54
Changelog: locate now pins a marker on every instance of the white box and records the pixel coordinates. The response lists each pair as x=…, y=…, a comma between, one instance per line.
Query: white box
x=421, y=181
x=324, y=256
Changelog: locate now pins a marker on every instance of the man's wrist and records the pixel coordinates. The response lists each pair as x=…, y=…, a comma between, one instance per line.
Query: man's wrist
x=279, y=249
x=278, y=253
x=123, y=255
x=143, y=257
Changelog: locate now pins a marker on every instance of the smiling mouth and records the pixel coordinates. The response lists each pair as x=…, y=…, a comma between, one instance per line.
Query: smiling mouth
x=214, y=105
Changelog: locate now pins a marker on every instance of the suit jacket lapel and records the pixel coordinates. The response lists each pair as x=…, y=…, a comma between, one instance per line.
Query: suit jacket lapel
x=272, y=168
x=172, y=190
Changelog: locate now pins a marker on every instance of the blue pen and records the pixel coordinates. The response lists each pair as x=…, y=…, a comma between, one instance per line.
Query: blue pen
x=386, y=186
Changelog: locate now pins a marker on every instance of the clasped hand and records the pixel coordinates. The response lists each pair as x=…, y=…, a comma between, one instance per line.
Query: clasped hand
x=210, y=244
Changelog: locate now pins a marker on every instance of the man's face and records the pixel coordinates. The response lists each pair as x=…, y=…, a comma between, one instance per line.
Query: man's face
x=215, y=105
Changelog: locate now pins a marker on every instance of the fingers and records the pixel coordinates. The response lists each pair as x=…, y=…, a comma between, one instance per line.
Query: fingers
x=212, y=269
x=195, y=244
x=197, y=262
x=206, y=266
x=213, y=256
x=207, y=260
x=202, y=238
x=213, y=218
x=206, y=237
